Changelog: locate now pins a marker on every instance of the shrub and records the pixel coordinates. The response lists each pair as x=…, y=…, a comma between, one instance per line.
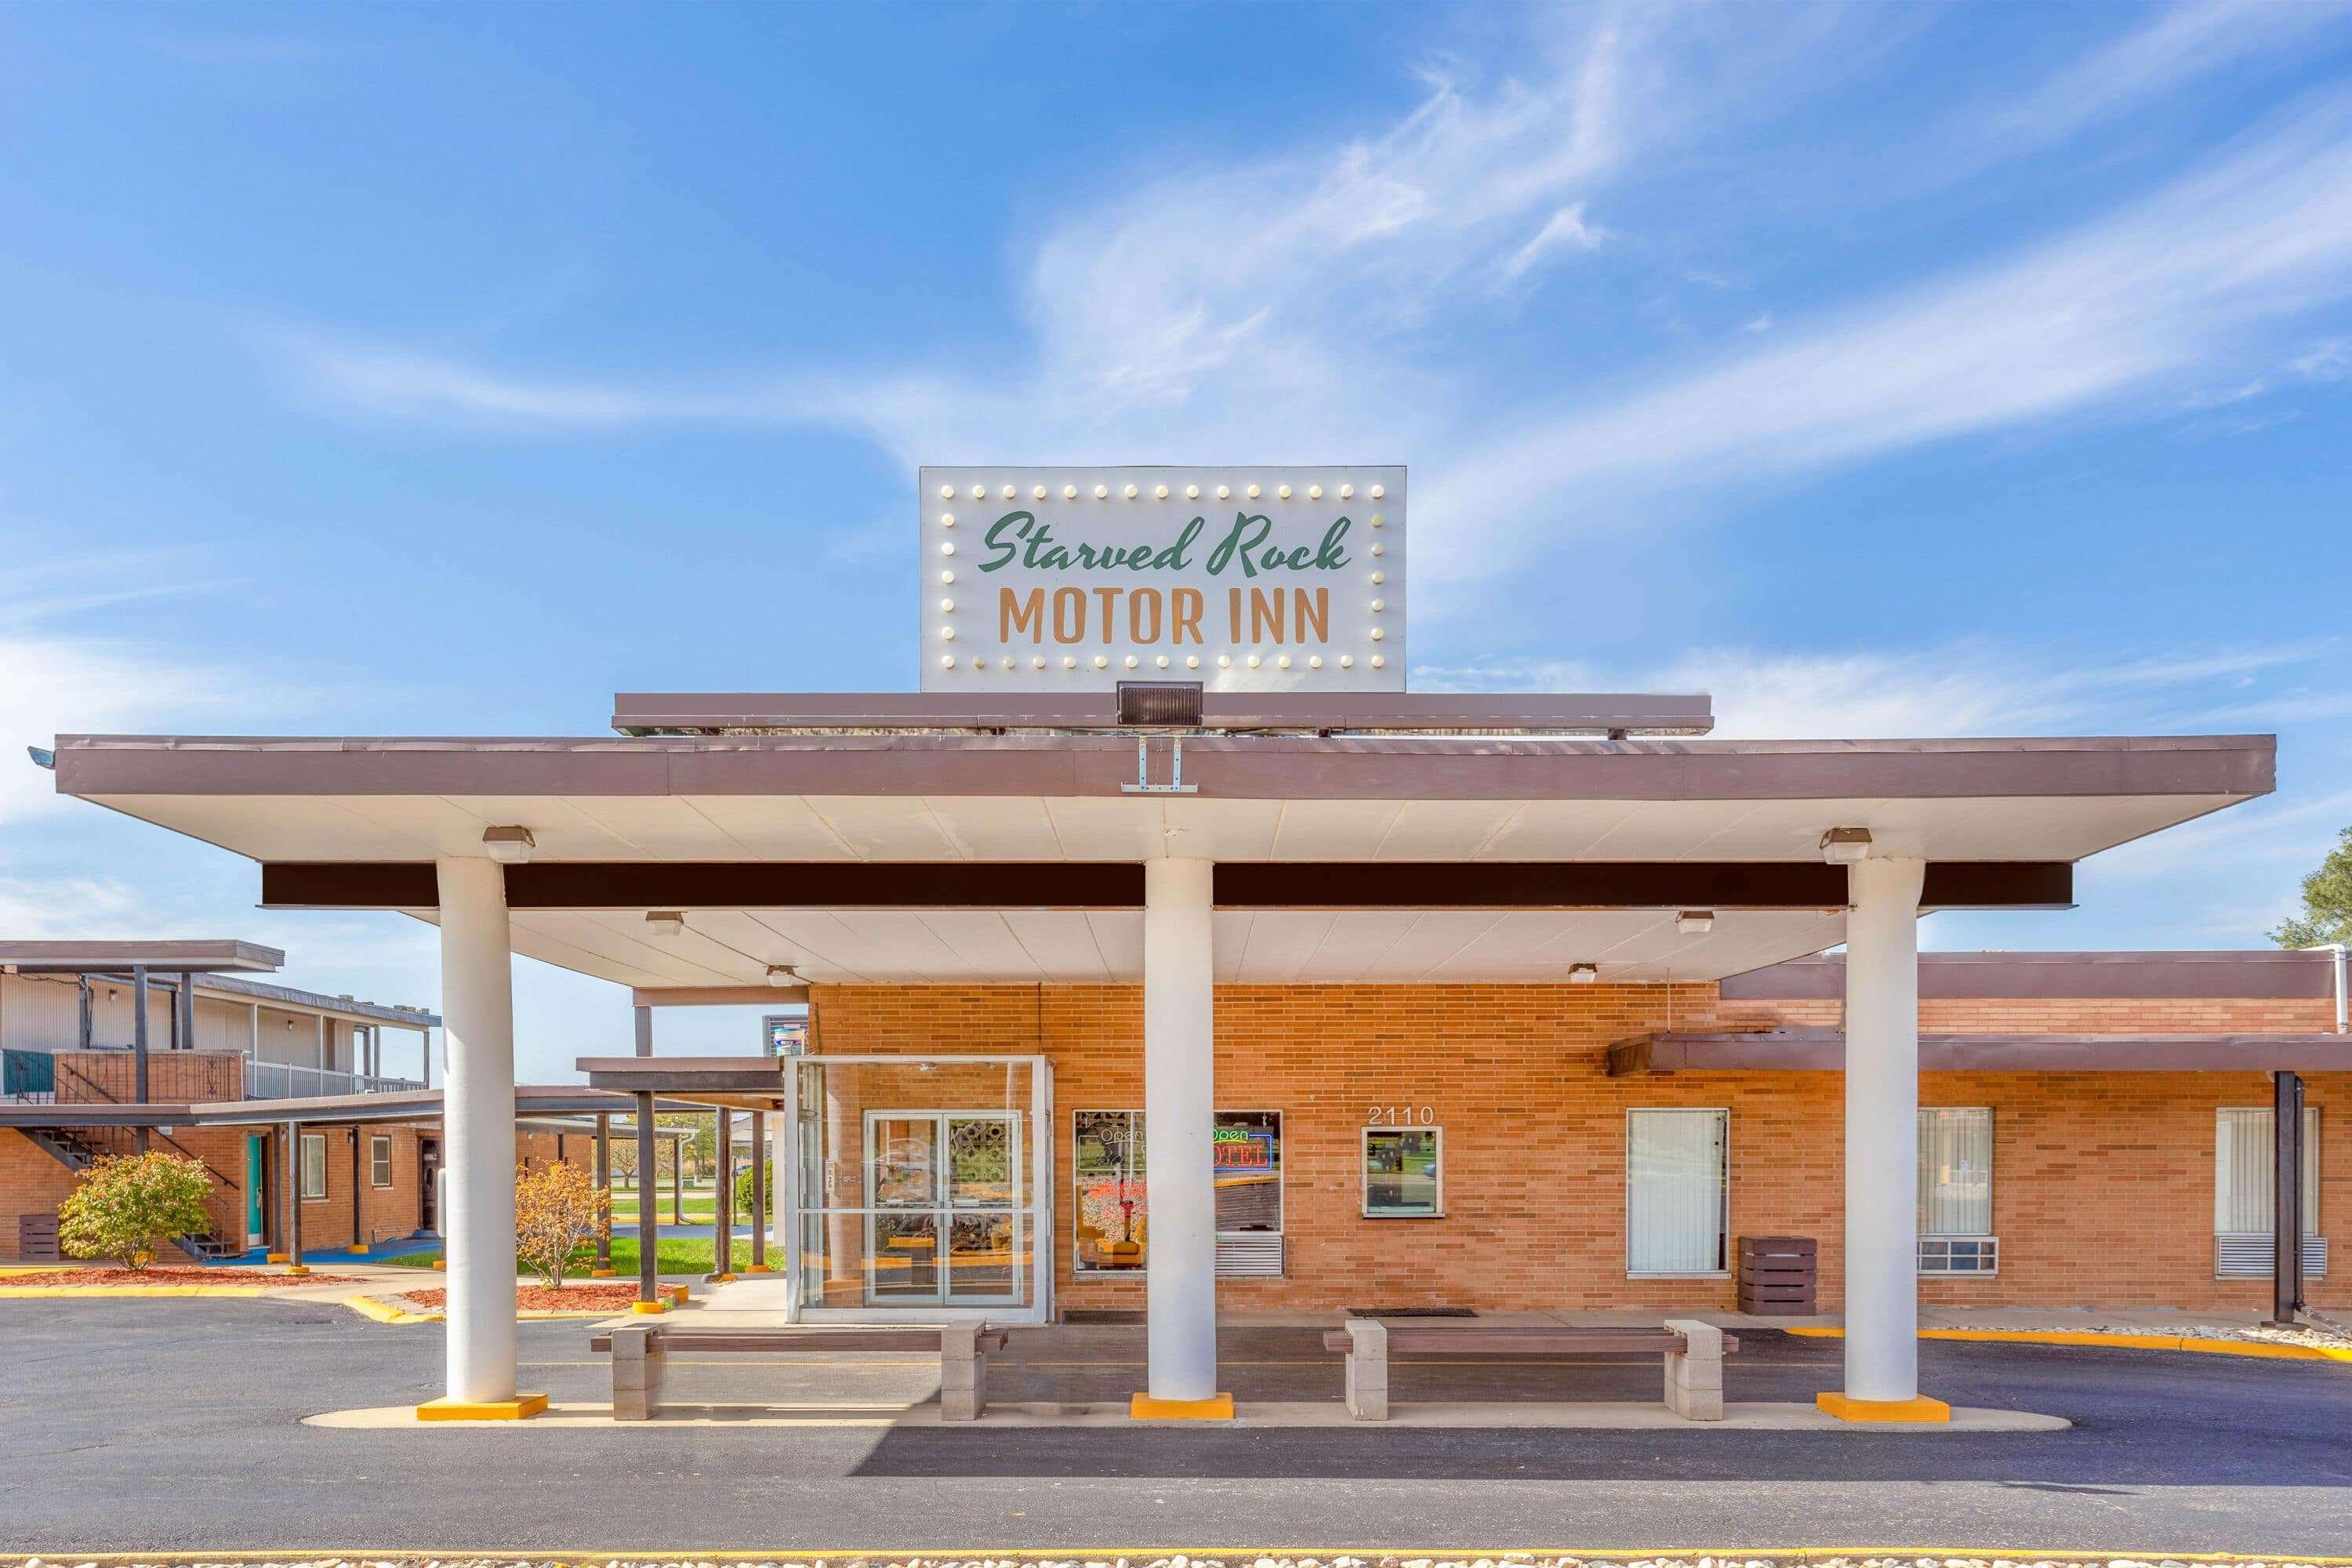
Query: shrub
x=558, y=1210
x=132, y=1206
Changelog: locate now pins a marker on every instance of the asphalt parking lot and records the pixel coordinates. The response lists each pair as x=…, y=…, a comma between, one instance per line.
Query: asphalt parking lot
x=146, y=1424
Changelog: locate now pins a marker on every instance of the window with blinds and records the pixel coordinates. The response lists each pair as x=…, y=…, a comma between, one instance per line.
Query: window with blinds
x=1956, y=1190
x=2246, y=1166
x=1678, y=1191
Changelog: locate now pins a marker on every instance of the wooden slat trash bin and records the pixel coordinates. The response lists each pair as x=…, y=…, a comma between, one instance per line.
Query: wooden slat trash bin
x=36, y=1239
x=640, y=1353
x=1777, y=1274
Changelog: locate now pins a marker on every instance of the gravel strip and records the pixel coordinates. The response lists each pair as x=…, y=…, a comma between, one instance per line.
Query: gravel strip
x=1198, y=1560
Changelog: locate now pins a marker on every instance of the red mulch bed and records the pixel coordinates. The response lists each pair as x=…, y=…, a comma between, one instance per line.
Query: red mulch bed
x=173, y=1277
x=588, y=1296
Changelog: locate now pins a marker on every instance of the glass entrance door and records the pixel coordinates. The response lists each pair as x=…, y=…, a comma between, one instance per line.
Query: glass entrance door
x=942, y=1205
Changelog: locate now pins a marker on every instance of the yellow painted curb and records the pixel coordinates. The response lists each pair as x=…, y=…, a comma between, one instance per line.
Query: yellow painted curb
x=1919, y=1410
x=521, y=1407
x=2117, y=1342
x=1217, y=1407
x=22, y=1291
x=649, y=1307
x=1209, y=1555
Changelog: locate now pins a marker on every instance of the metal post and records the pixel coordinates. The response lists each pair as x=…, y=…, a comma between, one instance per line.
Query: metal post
x=183, y=1013
x=359, y=1234
x=644, y=1023
x=759, y=1192
x=425, y=1056
x=648, y=1219
x=291, y=1176
x=722, y=1198
x=678, y=1181
x=604, y=1186
x=83, y=1026
x=139, y=1048
x=2286, y=1212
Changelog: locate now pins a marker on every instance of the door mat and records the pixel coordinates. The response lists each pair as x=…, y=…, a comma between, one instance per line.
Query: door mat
x=1410, y=1312
x=1102, y=1315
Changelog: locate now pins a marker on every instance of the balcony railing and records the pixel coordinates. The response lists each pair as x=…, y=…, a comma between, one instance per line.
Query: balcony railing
x=283, y=1081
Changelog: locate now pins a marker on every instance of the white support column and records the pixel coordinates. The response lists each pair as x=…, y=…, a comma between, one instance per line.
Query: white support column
x=1179, y=1098
x=478, y=1144
x=1882, y=1146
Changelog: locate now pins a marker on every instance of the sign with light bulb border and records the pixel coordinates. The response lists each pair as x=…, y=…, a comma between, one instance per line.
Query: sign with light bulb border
x=1273, y=578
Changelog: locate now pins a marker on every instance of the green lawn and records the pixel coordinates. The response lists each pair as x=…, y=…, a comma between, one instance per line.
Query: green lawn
x=679, y=1254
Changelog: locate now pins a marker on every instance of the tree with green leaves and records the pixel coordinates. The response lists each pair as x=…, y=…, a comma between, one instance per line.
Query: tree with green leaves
x=2326, y=902
x=132, y=1207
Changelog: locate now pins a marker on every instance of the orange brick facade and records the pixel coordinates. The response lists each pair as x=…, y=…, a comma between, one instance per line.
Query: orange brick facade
x=2103, y=1183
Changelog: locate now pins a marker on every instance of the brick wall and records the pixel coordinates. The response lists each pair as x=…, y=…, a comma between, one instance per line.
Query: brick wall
x=2102, y=1181
x=33, y=1181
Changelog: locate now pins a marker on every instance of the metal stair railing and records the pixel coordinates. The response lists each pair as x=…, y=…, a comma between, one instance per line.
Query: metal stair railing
x=122, y=1141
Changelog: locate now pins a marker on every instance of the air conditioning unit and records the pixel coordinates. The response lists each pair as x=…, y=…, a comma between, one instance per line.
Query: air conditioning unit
x=1243, y=1257
x=2252, y=1254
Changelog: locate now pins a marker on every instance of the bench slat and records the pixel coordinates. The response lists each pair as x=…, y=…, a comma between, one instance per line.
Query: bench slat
x=798, y=1341
x=1503, y=1339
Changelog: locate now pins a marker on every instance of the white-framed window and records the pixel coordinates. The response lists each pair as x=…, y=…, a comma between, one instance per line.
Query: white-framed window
x=380, y=1159
x=1111, y=1231
x=1677, y=1192
x=1404, y=1173
x=1956, y=1190
x=314, y=1164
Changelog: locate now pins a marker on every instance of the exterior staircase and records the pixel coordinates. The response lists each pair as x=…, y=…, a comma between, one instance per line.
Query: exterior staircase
x=79, y=1148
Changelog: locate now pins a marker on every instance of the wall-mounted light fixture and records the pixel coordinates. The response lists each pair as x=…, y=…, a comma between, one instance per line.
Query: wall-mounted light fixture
x=784, y=974
x=665, y=923
x=1695, y=923
x=1583, y=973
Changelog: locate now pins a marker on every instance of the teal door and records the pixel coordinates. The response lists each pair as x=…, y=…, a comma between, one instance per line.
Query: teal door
x=256, y=1163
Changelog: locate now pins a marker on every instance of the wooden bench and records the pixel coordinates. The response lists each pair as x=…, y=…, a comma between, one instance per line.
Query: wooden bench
x=639, y=1354
x=1693, y=1355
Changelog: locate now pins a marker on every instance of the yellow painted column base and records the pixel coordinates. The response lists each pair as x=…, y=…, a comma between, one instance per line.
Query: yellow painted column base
x=601, y=1273
x=1217, y=1407
x=297, y=1269
x=440, y=1263
x=274, y=1257
x=356, y=1251
x=649, y=1307
x=521, y=1407
x=1919, y=1408
x=758, y=1268
x=719, y=1279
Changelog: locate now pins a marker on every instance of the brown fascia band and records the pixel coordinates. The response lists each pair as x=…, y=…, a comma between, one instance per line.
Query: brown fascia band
x=1255, y=885
x=1823, y=1050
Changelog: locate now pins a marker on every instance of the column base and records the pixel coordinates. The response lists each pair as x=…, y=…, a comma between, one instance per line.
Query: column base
x=718, y=1279
x=1217, y=1407
x=758, y=1268
x=1918, y=1408
x=649, y=1309
x=276, y=1257
x=440, y=1263
x=356, y=1251
x=521, y=1407
x=602, y=1273
x=297, y=1269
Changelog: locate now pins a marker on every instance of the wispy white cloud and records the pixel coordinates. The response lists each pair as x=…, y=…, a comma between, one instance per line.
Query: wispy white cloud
x=2171, y=283
x=1965, y=688
x=2176, y=44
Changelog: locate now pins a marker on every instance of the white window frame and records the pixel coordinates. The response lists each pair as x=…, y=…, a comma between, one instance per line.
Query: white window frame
x=380, y=1155
x=311, y=1141
x=1364, y=1172
x=1935, y=1249
x=1723, y=1211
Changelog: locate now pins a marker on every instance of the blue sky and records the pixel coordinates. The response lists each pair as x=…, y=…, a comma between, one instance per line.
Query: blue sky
x=1918, y=369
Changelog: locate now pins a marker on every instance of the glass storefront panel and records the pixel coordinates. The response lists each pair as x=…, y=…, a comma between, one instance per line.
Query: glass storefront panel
x=1112, y=1225
x=915, y=1183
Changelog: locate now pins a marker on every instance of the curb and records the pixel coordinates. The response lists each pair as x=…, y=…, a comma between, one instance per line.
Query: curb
x=2255, y=1348
x=20, y=1292
x=1207, y=1556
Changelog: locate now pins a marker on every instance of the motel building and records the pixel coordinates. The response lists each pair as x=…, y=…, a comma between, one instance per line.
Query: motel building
x=1168, y=968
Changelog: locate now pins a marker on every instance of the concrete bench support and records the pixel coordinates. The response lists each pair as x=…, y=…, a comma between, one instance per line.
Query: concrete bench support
x=963, y=1373
x=1694, y=1374
x=637, y=1373
x=1367, y=1370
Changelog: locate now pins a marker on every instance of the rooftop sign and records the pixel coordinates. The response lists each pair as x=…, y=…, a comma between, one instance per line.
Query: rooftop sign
x=1246, y=579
